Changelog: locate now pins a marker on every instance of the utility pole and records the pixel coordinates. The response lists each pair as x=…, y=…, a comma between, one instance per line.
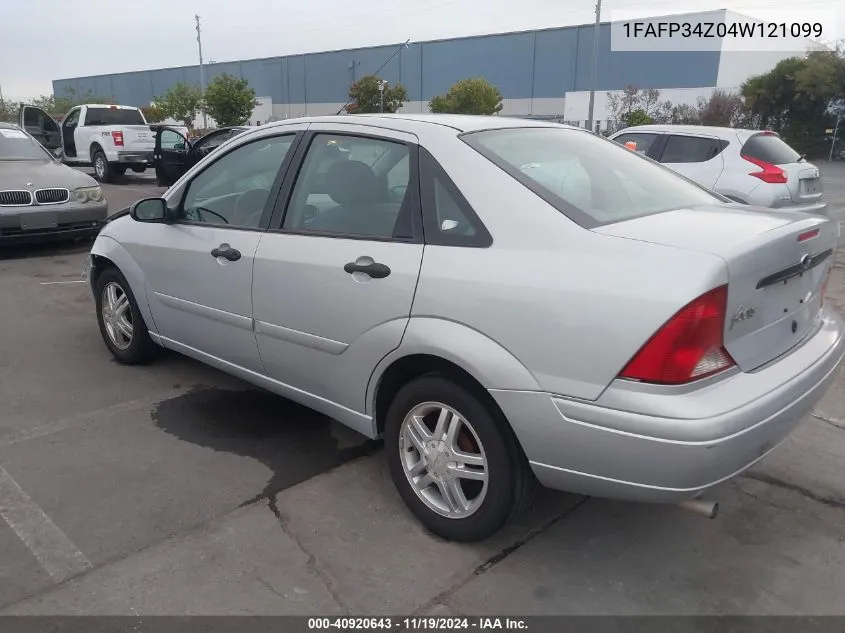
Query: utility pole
x=595, y=65
x=202, y=71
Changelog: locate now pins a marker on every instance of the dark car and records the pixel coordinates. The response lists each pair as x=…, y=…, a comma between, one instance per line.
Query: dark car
x=40, y=198
x=175, y=154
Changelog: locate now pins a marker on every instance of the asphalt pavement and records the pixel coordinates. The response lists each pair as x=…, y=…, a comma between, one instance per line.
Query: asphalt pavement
x=175, y=489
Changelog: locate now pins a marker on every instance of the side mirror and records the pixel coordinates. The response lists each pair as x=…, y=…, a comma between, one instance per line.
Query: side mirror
x=58, y=153
x=149, y=210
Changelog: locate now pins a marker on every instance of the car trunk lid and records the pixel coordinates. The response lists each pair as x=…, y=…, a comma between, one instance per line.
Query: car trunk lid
x=777, y=263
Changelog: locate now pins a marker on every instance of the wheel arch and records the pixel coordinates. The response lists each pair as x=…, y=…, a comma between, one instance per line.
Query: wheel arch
x=108, y=252
x=437, y=345
x=94, y=148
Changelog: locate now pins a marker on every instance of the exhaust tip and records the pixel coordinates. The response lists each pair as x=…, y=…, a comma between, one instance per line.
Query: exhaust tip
x=709, y=509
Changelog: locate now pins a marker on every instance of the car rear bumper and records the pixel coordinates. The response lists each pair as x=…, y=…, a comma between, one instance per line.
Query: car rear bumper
x=145, y=158
x=669, y=444
x=28, y=225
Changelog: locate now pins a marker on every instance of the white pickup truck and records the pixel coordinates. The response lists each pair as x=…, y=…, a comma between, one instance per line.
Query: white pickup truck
x=111, y=138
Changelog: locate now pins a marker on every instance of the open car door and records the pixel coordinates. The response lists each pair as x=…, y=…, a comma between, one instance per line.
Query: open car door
x=42, y=127
x=172, y=156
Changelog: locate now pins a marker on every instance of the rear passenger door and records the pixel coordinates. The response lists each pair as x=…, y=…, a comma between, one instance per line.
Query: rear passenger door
x=334, y=277
x=696, y=157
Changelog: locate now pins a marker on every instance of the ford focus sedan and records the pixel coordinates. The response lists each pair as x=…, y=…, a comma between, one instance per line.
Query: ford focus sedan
x=504, y=302
x=40, y=198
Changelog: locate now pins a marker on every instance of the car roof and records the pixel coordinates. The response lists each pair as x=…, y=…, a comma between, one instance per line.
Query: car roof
x=411, y=122
x=711, y=130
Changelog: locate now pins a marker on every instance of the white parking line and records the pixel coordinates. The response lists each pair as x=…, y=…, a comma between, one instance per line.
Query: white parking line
x=55, y=283
x=54, y=550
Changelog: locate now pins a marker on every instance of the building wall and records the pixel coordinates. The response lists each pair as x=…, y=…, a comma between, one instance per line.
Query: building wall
x=534, y=71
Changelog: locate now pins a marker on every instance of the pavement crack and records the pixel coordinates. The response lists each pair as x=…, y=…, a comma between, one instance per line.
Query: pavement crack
x=804, y=492
x=498, y=557
x=835, y=423
x=311, y=564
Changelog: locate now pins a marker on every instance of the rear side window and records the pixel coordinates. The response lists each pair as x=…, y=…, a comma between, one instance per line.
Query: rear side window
x=691, y=149
x=770, y=149
x=592, y=180
x=113, y=116
x=641, y=142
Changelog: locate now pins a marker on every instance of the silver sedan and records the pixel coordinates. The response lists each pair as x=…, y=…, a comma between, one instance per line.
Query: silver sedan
x=40, y=198
x=505, y=302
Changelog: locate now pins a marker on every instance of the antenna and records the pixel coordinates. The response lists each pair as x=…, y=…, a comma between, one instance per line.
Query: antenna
x=405, y=44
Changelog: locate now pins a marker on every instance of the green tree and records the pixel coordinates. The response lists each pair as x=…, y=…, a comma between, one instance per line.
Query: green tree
x=721, y=109
x=797, y=97
x=182, y=102
x=229, y=100
x=365, y=96
x=153, y=113
x=638, y=117
x=469, y=96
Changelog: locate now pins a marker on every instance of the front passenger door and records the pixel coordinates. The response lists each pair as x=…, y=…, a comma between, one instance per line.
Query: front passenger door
x=171, y=156
x=336, y=273
x=199, y=266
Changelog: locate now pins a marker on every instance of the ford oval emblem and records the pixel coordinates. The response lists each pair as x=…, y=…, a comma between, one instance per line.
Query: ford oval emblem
x=806, y=262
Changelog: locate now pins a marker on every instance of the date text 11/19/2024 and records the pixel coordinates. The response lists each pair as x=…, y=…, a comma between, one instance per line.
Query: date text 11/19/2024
x=421, y=623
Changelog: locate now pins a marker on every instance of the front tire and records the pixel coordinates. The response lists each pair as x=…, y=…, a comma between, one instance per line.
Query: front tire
x=102, y=169
x=121, y=324
x=454, y=459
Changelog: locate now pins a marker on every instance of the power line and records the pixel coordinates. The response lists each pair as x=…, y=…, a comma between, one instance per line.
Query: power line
x=406, y=44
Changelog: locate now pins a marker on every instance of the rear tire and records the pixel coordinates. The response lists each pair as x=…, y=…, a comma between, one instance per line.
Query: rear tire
x=462, y=483
x=139, y=170
x=118, y=170
x=102, y=169
x=121, y=323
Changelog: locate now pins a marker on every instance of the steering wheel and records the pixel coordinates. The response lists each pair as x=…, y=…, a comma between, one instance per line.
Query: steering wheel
x=249, y=207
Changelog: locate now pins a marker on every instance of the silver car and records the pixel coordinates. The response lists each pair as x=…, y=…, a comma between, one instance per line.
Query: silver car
x=749, y=166
x=505, y=302
x=40, y=198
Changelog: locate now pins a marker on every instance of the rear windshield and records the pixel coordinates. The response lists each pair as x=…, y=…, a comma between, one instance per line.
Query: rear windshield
x=588, y=178
x=770, y=149
x=15, y=145
x=113, y=116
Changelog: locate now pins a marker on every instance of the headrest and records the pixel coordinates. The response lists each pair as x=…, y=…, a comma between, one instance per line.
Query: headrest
x=350, y=182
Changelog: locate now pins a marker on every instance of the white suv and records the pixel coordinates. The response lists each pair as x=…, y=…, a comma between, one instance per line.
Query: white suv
x=749, y=166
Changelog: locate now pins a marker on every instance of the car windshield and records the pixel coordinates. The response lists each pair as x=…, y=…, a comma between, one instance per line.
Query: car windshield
x=591, y=180
x=113, y=116
x=16, y=145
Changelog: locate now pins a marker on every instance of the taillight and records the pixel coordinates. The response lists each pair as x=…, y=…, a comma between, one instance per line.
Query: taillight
x=688, y=347
x=771, y=173
x=118, y=138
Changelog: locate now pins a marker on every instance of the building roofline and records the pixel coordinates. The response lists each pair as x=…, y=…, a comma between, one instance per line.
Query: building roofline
x=387, y=45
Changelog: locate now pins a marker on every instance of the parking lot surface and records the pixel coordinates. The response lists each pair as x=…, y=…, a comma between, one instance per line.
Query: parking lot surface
x=175, y=489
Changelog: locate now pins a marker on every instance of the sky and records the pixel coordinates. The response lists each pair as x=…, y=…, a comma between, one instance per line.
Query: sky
x=42, y=40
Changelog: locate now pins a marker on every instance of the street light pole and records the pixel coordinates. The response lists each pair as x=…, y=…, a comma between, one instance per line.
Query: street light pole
x=202, y=71
x=595, y=66
x=833, y=142
x=381, y=95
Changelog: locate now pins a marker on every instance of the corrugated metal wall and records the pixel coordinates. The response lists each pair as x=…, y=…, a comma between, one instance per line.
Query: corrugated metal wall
x=530, y=65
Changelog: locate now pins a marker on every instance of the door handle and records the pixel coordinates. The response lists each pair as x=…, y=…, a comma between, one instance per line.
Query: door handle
x=226, y=252
x=374, y=270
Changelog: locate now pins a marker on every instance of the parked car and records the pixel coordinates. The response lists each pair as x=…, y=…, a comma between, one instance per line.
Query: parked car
x=112, y=138
x=41, y=199
x=174, y=154
x=503, y=301
x=748, y=166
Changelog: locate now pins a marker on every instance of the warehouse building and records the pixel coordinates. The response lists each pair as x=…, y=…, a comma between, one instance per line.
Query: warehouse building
x=543, y=73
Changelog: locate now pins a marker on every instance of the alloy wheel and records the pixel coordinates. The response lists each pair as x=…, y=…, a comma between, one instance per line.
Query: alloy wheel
x=117, y=315
x=443, y=460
